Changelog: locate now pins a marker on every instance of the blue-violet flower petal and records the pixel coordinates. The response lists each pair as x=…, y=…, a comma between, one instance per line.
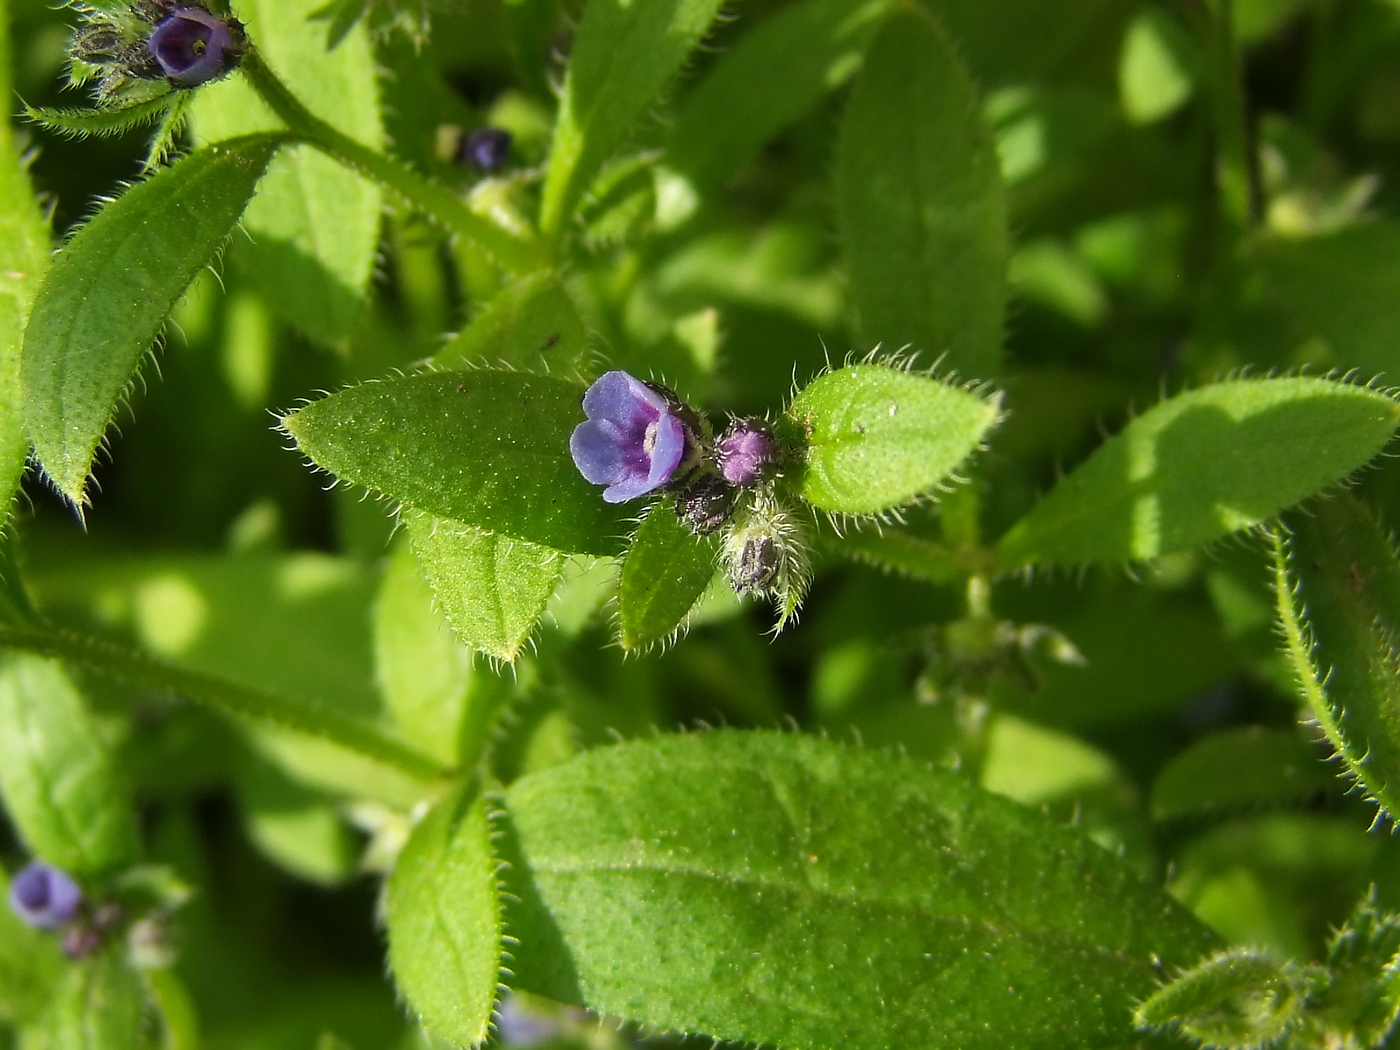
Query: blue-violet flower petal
x=631, y=442
x=193, y=46
x=45, y=896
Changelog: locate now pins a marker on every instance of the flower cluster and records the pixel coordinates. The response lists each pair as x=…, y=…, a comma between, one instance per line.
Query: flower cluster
x=640, y=438
x=183, y=45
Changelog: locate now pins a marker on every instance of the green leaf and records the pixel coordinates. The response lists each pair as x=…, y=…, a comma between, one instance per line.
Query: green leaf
x=623, y=56
x=484, y=447
x=1238, y=768
x=108, y=294
x=314, y=224
x=783, y=889
x=30, y=964
x=1202, y=465
x=492, y=588
x=60, y=784
x=775, y=73
x=1337, y=586
x=666, y=570
x=98, y=1005
x=424, y=672
x=297, y=828
x=919, y=201
x=532, y=322
x=24, y=256
x=101, y=120
x=1362, y=1001
x=443, y=911
x=878, y=437
x=1237, y=1000
x=1156, y=73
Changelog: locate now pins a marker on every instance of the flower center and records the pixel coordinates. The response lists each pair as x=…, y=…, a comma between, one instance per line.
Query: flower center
x=649, y=439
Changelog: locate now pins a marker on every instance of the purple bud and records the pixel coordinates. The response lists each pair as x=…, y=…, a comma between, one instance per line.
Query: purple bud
x=633, y=440
x=487, y=149
x=521, y=1026
x=194, y=46
x=745, y=452
x=82, y=941
x=45, y=897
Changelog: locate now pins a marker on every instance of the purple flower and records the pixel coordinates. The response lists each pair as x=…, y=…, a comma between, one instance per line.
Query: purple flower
x=487, y=149
x=633, y=440
x=745, y=451
x=44, y=896
x=194, y=46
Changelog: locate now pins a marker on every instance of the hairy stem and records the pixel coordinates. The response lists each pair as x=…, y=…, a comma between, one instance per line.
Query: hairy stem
x=145, y=670
x=435, y=201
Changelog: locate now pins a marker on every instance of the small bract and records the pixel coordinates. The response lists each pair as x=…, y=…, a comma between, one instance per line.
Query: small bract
x=632, y=441
x=44, y=896
x=194, y=46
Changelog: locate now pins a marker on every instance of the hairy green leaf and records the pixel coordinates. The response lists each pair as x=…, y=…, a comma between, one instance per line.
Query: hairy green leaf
x=624, y=55
x=775, y=73
x=492, y=588
x=97, y=1005
x=60, y=784
x=666, y=570
x=1337, y=585
x=104, y=120
x=1202, y=465
x=920, y=203
x=1241, y=999
x=529, y=323
x=487, y=448
x=878, y=437
x=787, y=890
x=30, y=964
x=108, y=294
x=444, y=916
x=424, y=672
x=1238, y=768
x=24, y=256
x=314, y=224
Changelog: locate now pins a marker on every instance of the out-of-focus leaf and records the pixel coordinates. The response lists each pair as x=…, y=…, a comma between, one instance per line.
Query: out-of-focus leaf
x=24, y=256
x=97, y=1005
x=109, y=292
x=775, y=73
x=314, y=224
x=1027, y=41
x=1202, y=465
x=294, y=826
x=920, y=202
x=424, y=671
x=666, y=570
x=61, y=786
x=722, y=884
x=1155, y=72
x=443, y=910
x=492, y=588
x=487, y=448
x=1337, y=584
x=624, y=55
x=1238, y=768
x=878, y=437
x=530, y=323
x=30, y=965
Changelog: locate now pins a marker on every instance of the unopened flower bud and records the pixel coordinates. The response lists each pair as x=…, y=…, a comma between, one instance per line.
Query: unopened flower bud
x=746, y=452
x=82, y=941
x=44, y=896
x=705, y=505
x=766, y=554
x=486, y=149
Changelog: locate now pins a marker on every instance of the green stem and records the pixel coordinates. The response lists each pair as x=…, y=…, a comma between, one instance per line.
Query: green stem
x=1236, y=175
x=144, y=670
x=433, y=200
x=179, y=1021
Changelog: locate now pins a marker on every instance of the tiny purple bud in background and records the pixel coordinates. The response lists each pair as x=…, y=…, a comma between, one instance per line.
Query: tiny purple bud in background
x=632, y=441
x=521, y=1026
x=486, y=149
x=45, y=897
x=194, y=46
x=745, y=452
